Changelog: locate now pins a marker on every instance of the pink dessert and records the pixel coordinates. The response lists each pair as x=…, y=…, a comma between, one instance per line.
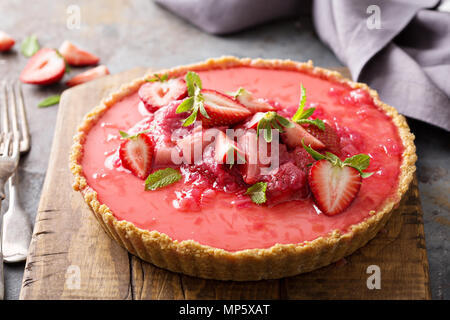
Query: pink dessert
x=210, y=203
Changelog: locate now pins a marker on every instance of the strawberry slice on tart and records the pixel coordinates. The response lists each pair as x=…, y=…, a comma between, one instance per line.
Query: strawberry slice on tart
x=76, y=56
x=160, y=91
x=212, y=107
x=45, y=67
x=6, y=41
x=136, y=153
x=88, y=75
x=335, y=183
x=253, y=104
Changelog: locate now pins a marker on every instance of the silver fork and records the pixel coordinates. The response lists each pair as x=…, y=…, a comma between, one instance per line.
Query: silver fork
x=9, y=158
x=16, y=222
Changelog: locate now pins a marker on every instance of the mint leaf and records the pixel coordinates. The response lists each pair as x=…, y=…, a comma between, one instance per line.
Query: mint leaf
x=186, y=105
x=257, y=192
x=50, y=101
x=298, y=114
x=126, y=135
x=157, y=77
x=272, y=120
x=316, y=155
x=162, y=178
x=192, y=82
x=360, y=162
x=29, y=46
x=195, y=102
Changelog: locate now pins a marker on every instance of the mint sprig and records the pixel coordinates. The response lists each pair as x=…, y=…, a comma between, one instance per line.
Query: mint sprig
x=50, y=101
x=272, y=120
x=360, y=161
x=29, y=46
x=301, y=115
x=157, y=77
x=195, y=102
x=162, y=178
x=257, y=192
x=126, y=135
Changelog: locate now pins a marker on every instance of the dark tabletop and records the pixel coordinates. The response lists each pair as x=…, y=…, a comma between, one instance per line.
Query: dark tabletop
x=128, y=34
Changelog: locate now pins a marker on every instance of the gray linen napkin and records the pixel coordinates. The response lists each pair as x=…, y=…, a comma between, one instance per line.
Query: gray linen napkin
x=407, y=59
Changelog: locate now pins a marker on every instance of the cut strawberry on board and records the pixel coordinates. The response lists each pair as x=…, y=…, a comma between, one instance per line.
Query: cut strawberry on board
x=221, y=109
x=136, y=154
x=294, y=136
x=328, y=137
x=333, y=187
x=77, y=57
x=45, y=67
x=6, y=41
x=88, y=75
x=253, y=104
x=156, y=94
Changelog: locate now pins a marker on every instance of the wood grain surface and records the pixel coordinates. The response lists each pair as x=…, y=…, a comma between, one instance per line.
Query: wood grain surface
x=69, y=245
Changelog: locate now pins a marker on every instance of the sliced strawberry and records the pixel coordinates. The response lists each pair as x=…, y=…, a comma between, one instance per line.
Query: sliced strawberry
x=328, y=137
x=6, y=41
x=88, y=75
x=45, y=66
x=251, y=170
x=222, y=109
x=293, y=137
x=224, y=148
x=136, y=155
x=253, y=122
x=253, y=104
x=333, y=187
x=160, y=93
x=77, y=57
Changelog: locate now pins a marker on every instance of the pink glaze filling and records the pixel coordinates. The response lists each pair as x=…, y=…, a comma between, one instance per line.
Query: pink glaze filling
x=221, y=222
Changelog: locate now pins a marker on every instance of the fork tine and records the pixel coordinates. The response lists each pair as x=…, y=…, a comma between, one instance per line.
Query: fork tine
x=13, y=112
x=24, y=130
x=4, y=108
x=6, y=144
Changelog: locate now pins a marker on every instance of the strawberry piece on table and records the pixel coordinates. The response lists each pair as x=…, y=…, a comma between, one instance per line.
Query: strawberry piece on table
x=77, y=57
x=136, y=154
x=221, y=109
x=253, y=104
x=333, y=187
x=45, y=67
x=88, y=75
x=294, y=136
x=156, y=94
x=328, y=137
x=6, y=41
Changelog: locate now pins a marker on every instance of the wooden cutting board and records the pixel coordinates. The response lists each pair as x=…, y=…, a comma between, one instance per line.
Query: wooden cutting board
x=71, y=257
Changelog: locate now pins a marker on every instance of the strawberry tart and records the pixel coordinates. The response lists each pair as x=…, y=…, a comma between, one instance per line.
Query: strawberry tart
x=243, y=169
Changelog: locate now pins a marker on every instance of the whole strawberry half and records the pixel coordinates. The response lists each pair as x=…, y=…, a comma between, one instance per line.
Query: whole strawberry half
x=6, y=41
x=45, y=67
x=156, y=94
x=334, y=187
x=328, y=137
x=88, y=75
x=76, y=56
x=136, y=154
x=221, y=109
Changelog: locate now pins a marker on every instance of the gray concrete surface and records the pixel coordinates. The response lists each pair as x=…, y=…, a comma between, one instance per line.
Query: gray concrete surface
x=127, y=34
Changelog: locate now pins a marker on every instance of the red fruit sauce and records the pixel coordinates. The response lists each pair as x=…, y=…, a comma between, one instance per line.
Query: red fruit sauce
x=229, y=220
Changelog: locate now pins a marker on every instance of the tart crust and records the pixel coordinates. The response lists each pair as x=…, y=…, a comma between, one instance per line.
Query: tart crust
x=281, y=260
